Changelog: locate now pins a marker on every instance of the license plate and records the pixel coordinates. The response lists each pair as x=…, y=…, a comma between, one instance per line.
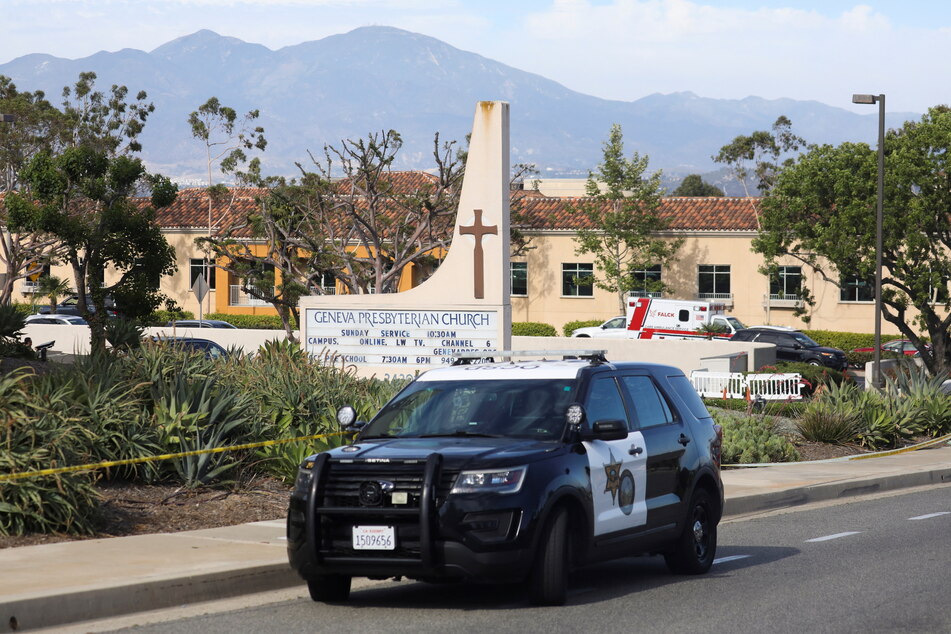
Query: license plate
x=374, y=538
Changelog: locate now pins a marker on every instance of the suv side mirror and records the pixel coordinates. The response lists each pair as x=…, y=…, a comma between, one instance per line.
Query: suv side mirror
x=608, y=430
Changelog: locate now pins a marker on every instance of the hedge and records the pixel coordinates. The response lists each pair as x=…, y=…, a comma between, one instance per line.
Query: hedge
x=571, y=326
x=533, y=329
x=261, y=322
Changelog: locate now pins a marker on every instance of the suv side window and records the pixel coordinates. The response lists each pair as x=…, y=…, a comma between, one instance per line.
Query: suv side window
x=604, y=401
x=650, y=406
x=767, y=337
x=786, y=341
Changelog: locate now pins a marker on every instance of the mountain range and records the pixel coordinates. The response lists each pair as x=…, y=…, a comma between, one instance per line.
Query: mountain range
x=377, y=78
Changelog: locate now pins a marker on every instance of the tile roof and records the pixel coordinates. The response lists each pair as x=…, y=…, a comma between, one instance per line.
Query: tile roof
x=682, y=213
x=535, y=211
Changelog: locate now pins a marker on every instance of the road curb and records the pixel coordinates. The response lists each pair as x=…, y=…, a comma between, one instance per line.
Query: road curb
x=788, y=498
x=100, y=603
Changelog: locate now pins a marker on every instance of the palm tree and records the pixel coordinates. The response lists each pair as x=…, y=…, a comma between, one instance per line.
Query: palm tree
x=52, y=287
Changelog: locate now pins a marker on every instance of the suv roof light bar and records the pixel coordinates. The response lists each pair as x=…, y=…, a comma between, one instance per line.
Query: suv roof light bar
x=488, y=356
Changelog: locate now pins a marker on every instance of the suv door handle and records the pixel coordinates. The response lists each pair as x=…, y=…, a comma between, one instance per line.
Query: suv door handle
x=635, y=450
x=683, y=440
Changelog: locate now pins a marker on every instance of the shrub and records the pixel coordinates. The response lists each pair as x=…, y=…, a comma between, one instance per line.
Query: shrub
x=292, y=397
x=260, y=322
x=823, y=421
x=34, y=437
x=753, y=439
x=571, y=326
x=533, y=329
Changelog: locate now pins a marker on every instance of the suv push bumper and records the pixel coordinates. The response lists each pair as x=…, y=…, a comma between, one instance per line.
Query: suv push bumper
x=312, y=549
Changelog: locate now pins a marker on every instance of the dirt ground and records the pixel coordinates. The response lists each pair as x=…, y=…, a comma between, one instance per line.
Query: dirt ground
x=135, y=509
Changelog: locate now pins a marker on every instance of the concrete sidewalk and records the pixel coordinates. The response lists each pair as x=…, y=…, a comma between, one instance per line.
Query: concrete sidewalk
x=55, y=584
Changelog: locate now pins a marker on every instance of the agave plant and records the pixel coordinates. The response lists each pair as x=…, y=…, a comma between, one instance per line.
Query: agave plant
x=194, y=414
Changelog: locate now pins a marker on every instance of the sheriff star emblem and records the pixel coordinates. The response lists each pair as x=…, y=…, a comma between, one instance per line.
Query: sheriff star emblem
x=612, y=471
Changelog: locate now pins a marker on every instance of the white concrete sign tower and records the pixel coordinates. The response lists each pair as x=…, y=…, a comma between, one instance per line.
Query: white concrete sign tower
x=464, y=306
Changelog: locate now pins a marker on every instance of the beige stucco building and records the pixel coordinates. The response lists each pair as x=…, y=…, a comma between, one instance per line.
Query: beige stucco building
x=715, y=263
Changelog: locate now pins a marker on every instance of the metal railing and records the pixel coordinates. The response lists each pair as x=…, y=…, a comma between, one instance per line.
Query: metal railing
x=771, y=387
x=237, y=297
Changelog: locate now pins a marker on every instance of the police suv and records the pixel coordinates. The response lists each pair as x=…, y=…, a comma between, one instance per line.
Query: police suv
x=506, y=471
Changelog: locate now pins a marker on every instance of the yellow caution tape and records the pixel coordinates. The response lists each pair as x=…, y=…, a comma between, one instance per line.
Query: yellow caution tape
x=922, y=445
x=168, y=456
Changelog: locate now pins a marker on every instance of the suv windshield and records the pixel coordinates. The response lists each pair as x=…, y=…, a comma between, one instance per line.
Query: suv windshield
x=526, y=408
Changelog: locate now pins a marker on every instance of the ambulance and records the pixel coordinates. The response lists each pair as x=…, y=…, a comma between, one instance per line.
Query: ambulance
x=649, y=318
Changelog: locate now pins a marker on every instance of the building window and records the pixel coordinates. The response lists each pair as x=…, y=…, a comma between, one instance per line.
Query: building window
x=202, y=268
x=786, y=283
x=855, y=289
x=577, y=280
x=519, y=272
x=324, y=284
x=647, y=282
x=713, y=281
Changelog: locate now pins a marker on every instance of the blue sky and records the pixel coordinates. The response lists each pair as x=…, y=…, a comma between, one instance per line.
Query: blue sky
x=821, y=50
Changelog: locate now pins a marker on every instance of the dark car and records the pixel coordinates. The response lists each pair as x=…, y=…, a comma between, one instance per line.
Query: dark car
x=70, y=306
x=898, y=346
x=210, y=349
x=501, y=472
x=199, y=323
x=794, y=345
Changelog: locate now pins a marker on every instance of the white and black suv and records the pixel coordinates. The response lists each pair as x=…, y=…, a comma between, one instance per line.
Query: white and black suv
x=507, y=471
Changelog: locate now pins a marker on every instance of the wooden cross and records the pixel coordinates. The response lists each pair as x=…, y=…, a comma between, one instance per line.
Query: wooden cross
x=478, y=230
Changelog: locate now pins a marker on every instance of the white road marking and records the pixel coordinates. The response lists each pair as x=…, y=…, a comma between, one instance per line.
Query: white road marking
x=929, y=516
x=723, y=560
x=836, y=536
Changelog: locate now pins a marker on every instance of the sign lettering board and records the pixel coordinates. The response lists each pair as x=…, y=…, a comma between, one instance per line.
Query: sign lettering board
x=374, y=337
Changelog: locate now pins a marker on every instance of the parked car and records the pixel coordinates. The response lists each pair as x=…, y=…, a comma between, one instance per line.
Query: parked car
x=614, y=327
x=795, y=345
x=200, y=323
x=507, y=471
x=70, y=306
x=211, y=349
x=898, y=346
x=60, y=320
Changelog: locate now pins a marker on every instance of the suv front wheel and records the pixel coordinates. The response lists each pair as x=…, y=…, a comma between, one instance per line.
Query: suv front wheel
x=549, y=580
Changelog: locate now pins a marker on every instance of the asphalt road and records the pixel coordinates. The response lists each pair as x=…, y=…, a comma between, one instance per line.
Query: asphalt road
x=876, y=565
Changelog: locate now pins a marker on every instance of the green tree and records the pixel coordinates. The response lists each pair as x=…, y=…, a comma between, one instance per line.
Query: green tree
x=52, y=288
x=36, y=126
x=227, y=141
x=83, y=197
x=757, y=156
x=79, y=193
x=693, y=185
x=622, y=206
x=822, y=210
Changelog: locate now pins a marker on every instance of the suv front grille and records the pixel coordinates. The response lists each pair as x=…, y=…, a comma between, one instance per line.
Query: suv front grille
x=341, y=487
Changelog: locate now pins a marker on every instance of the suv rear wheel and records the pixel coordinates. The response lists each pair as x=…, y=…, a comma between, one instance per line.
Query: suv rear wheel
x=695, y=549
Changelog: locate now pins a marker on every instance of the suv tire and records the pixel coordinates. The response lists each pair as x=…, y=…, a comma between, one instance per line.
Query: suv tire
x=549, y=580
x=329, y=588
x=697, y=546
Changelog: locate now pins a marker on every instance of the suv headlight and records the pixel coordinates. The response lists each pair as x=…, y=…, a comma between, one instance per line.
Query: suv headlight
x=508, y=480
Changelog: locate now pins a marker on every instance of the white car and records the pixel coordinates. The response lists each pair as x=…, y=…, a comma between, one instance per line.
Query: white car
x=616, y=327
x=61, y=320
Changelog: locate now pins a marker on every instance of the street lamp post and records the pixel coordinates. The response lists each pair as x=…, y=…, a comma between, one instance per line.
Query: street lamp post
x=880, y=100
